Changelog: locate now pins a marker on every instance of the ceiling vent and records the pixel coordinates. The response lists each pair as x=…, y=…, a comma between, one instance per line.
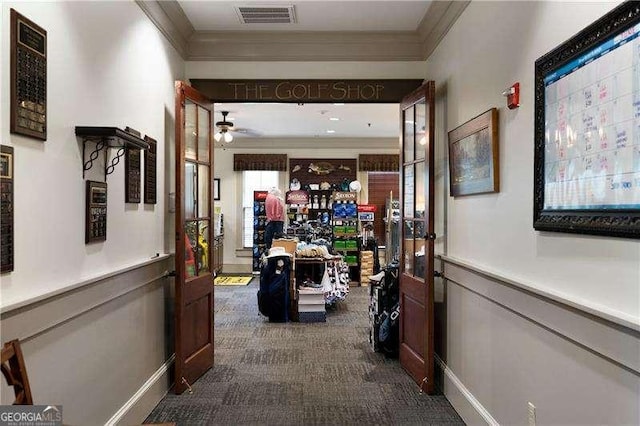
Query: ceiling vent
x=266, y=14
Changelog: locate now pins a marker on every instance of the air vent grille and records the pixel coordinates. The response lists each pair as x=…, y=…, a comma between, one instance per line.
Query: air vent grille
x=266, y=14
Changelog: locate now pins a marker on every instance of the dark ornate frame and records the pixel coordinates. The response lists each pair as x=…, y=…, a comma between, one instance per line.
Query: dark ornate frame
x=618, y=223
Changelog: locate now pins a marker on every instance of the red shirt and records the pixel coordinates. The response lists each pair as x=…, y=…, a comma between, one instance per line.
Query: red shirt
x=275, y=209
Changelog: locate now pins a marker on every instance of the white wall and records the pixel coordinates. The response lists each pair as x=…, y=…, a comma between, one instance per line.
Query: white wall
x=279, y=70
x=107, y=66
x=491, y=46
x=502, y=345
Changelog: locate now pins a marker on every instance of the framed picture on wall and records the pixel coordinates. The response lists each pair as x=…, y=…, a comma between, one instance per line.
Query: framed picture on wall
x=587, y=130
x=473, y=156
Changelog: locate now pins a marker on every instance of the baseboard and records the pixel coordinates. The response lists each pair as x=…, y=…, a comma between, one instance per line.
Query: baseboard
x=236, y=268
x=467, y=406
x=138, y=407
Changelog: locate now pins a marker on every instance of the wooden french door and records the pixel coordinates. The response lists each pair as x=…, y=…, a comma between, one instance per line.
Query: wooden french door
x=417, y=207
x=194, y=236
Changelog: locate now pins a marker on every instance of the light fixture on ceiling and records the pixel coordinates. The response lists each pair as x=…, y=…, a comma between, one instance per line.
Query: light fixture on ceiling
x=224, y=127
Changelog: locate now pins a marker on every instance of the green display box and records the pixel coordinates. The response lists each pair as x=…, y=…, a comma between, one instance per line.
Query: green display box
x=351, y=245
x=340, y=245
x=351, y=259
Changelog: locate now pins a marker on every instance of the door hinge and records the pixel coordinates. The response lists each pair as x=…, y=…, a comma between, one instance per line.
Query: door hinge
x=422, y=384
x=184, y=382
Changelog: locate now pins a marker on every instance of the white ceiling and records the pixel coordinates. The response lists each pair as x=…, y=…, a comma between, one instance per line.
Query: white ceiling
x=311, y=120
x=311, y=15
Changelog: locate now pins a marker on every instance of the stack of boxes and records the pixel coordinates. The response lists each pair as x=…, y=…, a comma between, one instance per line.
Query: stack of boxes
x=311, y=305
x=366, y=267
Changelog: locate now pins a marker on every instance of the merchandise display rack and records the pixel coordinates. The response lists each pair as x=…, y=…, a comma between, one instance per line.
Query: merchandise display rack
x=346, y=239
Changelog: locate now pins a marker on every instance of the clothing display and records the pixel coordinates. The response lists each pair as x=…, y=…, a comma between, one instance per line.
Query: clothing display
x=274, y=208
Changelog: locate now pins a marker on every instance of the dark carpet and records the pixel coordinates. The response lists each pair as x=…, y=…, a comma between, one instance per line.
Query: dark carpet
x=300, y=374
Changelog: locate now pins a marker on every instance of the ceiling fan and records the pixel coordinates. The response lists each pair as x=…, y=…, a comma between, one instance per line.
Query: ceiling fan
x=226, y=127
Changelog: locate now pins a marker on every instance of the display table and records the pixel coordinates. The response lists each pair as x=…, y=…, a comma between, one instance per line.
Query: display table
x=306, y=268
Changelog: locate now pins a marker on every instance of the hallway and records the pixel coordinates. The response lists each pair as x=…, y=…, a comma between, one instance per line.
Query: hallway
x=292, y=374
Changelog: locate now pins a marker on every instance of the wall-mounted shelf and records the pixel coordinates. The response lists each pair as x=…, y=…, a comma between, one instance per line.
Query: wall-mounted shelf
x=105, y=138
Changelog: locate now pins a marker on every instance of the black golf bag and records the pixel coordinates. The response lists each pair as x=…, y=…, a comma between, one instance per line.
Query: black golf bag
x=384, y=312
x=273, y=296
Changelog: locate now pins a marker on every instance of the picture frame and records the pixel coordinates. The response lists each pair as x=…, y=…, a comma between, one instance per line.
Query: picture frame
x=6, y=209
x=587, y=130
x=150, y=171
x=95, y=212
x=28, y=71
x=474, y=166
x=216, y=189
x=132, y=175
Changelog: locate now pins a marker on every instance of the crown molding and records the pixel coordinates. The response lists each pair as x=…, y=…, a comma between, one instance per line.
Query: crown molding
x=171, y=21
x=305, y=46
x=308, y=46
x=439, y=18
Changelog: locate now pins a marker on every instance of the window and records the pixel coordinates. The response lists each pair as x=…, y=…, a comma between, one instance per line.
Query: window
x=253, y=180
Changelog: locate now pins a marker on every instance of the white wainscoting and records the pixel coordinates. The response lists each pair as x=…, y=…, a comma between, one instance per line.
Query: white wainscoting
x=102, y=350
x=504, y=346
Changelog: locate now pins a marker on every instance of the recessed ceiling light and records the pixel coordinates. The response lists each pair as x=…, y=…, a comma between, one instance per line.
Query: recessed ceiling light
x=334, y=119
x=331, y=131
x=339, y=104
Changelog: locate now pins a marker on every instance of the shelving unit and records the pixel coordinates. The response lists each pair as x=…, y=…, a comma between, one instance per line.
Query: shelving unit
x=105, y=138
x=259, y=226
x=345, y=230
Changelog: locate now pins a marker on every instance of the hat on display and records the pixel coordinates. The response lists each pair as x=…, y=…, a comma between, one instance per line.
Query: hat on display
x=325, y=186
x=355, y=186
x=277, y=252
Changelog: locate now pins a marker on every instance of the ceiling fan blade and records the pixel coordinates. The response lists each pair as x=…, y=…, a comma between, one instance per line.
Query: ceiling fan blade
x=246, y=132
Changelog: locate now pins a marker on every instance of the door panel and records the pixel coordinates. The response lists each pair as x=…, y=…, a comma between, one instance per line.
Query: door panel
x=417, y=201
x=194, y=281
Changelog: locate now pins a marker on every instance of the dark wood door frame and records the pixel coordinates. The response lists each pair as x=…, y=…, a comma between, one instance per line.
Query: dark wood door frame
x=194, y=344
x=417, y=292
x=325, y=91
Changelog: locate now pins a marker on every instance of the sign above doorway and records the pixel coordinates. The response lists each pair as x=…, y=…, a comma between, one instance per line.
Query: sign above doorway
x=306, y=91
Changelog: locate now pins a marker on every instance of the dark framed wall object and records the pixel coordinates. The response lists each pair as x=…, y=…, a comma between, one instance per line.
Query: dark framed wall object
x=216, y=189
x=587, y=130
x=28, y=107
x=132, y=175
x=96, y=212
x=150, y=171
x=474, y=166
x=6, y=208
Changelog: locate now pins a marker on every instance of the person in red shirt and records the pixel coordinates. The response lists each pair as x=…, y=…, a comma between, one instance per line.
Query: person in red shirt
x=274, y=206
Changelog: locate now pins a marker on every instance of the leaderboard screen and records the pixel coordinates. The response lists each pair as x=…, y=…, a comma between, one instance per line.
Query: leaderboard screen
x=592, y=128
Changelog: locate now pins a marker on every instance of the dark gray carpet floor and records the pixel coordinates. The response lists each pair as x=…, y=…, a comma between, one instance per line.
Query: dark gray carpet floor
x=300, y=374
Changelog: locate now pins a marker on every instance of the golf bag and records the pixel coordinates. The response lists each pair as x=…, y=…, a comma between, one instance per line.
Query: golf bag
x=273, y=296
x=384, y=311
